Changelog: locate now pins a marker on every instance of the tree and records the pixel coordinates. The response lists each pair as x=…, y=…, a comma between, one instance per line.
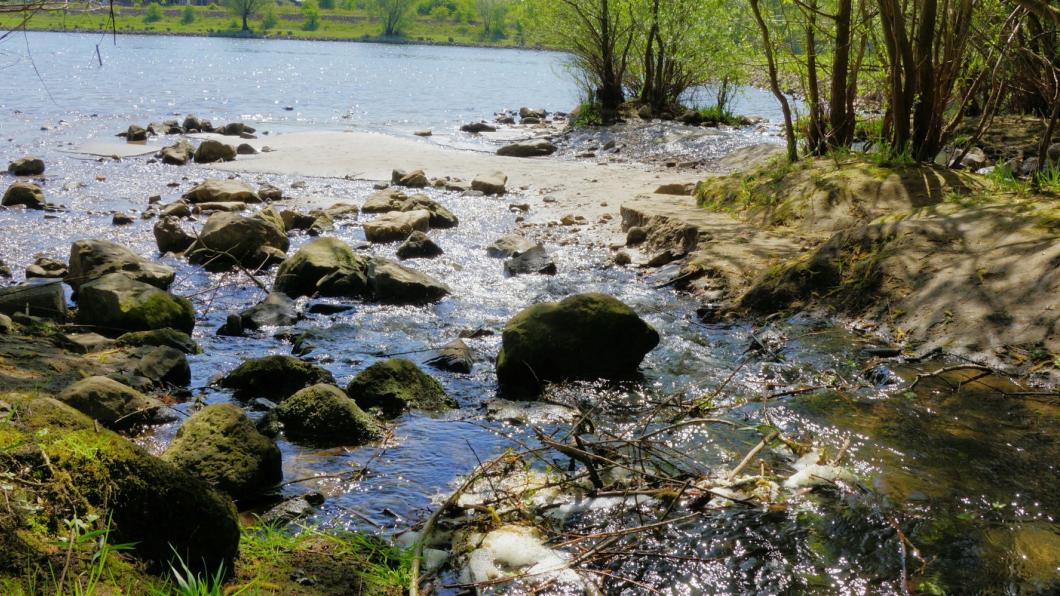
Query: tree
x=187, y=16
x=393, y=13
x=245, y=9
x=774, y=81
x=153, y=13
x=492, y=13
x=311, y=15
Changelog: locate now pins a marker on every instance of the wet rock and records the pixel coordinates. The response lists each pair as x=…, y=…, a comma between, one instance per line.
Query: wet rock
x=165, y=366
x=36, y=299
x=525, y=112
x=246, y=149
x=396, y=284
x=26, y=166
x=122, y=219
x=636, y=235
x=535, y=148
x=92, y=259
x=293, y=509
x=177, y=154
x=114, y=405
x=454, y=356
x=418, y=246
x=46, y=268
x=326, y=266
x=395, y=386
x=233, y=326
x=269, y=193
x=116, y=303
x=220, y=445
x=228, y=238
x=622, y=258
x=136, y=133
x=236, y=129
x=490, y=184
x=224, y=206
x=222, y=191
x=325, y=416
x=172, y=338
x=388, y=200
x=664, y=257
x=24, y=194
x=530, y=120
x=396, y=225
x=170, y=236
x=423, y=133
x=533, y=260
x=192, y=123
x=585, y=336
x=478, y=127
x=277, y=310
x=342, y=211
x=293, y=220
x=414, y=179
x=274, y=377
x=510, y=245
x=175, y=209
x=5, y=271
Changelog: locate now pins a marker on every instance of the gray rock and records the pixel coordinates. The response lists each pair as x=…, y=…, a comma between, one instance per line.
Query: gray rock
x=534, y=260
x=326, y=266
x=84, y=343
x=293, y=509
x=26, y=166
x=136, y=133
x=170, y=236
x=393, y=283
x=276, y=310
x=418, y=246
x=228, y=239
x=478, y=127
x=274, y=377
x=177, y=154
x=165, y=366
x=44, y=299
x=454, y=356
x=46, y=268
x=92, y=259
x=172, y=338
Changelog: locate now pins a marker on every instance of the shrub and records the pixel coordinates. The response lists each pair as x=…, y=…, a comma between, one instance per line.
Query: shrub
x=268, y=17
x=311, y=14
x=153, y=13
x=187, y=16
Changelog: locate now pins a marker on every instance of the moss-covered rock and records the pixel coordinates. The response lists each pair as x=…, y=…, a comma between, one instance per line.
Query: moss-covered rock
x=395, y=386
x=160, y=337
x=324, y=415
x=220, y=445
x=116, y=303
x=113, y=404
x=325, y=266
x=585, y=336
x=274, y=377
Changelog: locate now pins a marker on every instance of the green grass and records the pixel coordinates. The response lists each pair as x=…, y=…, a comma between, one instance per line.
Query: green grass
x=287, y=21
x=716, y=115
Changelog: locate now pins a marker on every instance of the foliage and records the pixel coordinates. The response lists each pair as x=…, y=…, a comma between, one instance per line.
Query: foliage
x=311, y=15
x=153, y=13
x=588, y=114
x=393, y=13
x=268, y=17
x=245, y=10
x=187, y=16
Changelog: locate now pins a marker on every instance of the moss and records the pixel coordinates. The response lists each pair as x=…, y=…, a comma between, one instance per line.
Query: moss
x=396, y=385
x=323, y=414
x=275, y=377
x=165, y=310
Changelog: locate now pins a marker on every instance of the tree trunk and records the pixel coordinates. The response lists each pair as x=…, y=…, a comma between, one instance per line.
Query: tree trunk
x=774, y=84
x=245, y=27
x=841, y=119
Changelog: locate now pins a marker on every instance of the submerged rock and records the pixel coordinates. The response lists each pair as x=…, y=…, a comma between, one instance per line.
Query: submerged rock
x=324, y=415
x=220, y=445
x=222, y=191
x=533, y=260
x=211, y=151
x=24, y=194
x=397, y=225
x=454, y=356
x=229, y=238
x=583, y=337
x=114, y=405
x=26, y=166
x=274, y=377
x=490, y=184
x=418, y=246
x=116, y=303
x=92, y=259
x=395, y=386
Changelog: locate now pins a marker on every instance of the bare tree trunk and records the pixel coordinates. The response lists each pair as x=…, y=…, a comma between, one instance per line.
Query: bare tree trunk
x=815, y=133
x=774, y=84
x=1047, y=139
x=841, y=117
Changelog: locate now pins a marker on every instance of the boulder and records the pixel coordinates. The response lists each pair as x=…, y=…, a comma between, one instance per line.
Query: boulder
x=413, y=179
x=490, y=184
x=135, y=133
x=236, y=129
x=535, y=148
x=525, y=112
x=229, y=238
x=222, y=191
x=383, y=201
x=114, y=405
x=533, y=260
x=325, y=416
x=393, y=283
x=274, y=377
x=225, y=206
x=478, y=127
x=395, y=386
x=92, y=259
x=192, y=123
x=175, y=209
x=507, y=246
x=293, y=220
x=396, y=225
x=418, y=246
x=44, y=298
x=220, y=445
x=170, y=236
x=117, y=303
x=122, y=219
x=177, y=154
x=246, y=149
x=24, y=194
x=269, y=193
x=389, y=200
x=46, y=268
x=326, y=266
x=26, y=166
x=211, y=151
x=172, y=338
x=164, y=366
x=583, y=337
x=276, y=310
x=454, y=356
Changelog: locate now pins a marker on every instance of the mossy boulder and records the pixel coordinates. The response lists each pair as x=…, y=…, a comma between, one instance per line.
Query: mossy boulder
x=220, y=445
x=274, y=377
x=326, y=266
x=114, y=405
x=116, y=303
x=160, y=337
x=324, y=415
x=583, y=337
x=395, y=386
x=79, y=469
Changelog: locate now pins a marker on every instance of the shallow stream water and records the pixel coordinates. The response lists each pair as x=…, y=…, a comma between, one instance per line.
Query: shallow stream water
x=969, y=478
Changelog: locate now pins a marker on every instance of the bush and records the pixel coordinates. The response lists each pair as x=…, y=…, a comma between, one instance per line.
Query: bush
x=588, y=114
x=187, y=17
x=311, y=14
x=153, y=13
x=268, y=17
x=327, y=4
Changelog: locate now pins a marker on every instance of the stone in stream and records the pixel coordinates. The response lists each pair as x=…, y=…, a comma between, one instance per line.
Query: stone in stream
x=534, y=260
x=229, y=238
x=211, y=151
x=490, y=184
x=325, y=416
x=454, y=356
x=170, y=236
x=116, y=303
x=38, y=299
x=393, y=283
x=175, y=209
x=5, y=271
x=222, y=191
x=114, y=405
x=525, y=112
x=583, y=337
x=122, y=219
x=478, y=127
x=92, y=259
x=236, y=129
x=7, y=326
x=326, y=266
x=269, y=193
x=413, y=179
x=274, y=377
x=220, y=445
x=510, y=245
x=395, y=386
x=276, y=310
x=396, y=225
x=177, y=154
x=536, y=148
x=164, y=365
x=160, y=337
x=24, y=194
x=46, y=268
x=292, y=509
x=192, y=123
x=135, y=133
x=224, y=206
x=26, y=166
x=388, y=200
x=418, y=246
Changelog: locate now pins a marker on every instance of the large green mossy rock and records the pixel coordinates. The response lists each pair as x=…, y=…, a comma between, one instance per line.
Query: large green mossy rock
x=78, y=469
x=395, y=386
x=116, y=303
x=220, y=445
x=324, y=415
x=274, y=377
x=583, y=337
x=325, y=266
